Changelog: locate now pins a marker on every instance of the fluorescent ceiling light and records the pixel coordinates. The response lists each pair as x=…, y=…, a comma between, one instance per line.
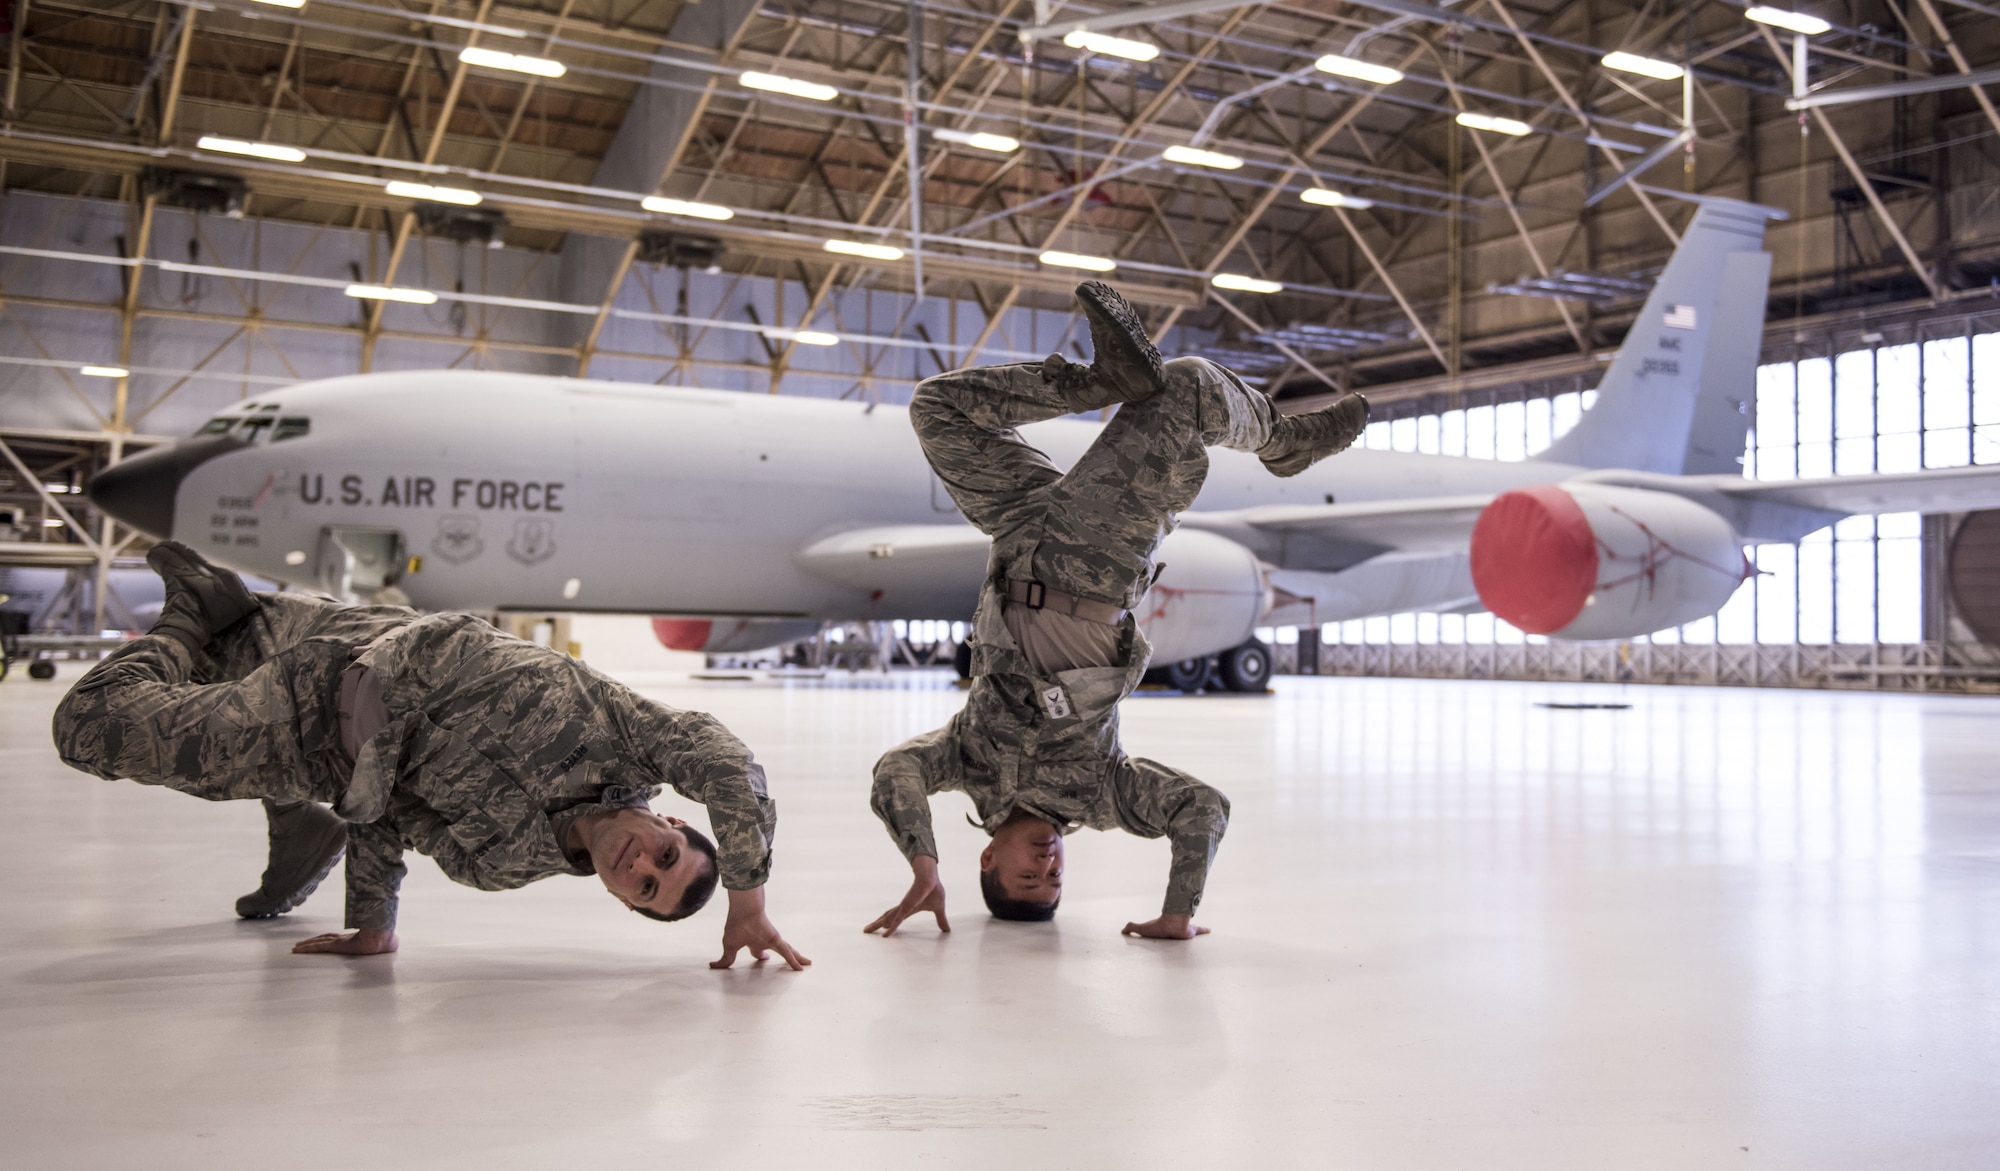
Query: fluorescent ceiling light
x=1358, y=70
x=284, y=3
x=979, y=140
x=105, y=371
x=1244, y=284
x=661, y=205
x=1647, y=66
x=870, y=251
x=789, y=85
x=805, y=337
x=1111, y=46
x=1194, y=156
x=262, y=150
x=390, y=293
x=1512, y=126
x=1325, y=198
x=1797, y=22
x=1077, y=260
x=512, y=62
x=459, y=195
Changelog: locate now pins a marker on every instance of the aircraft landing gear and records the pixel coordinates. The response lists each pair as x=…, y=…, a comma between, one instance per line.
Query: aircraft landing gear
x=961, y=660
x=1246, y=668
x=1188, y=675
x=42, y=669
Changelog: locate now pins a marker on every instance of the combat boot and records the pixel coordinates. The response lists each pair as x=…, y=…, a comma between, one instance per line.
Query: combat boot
x=1299, y=441
x=1072, y=378
x=1127, y=369
x=306, y=841
x=202, y=601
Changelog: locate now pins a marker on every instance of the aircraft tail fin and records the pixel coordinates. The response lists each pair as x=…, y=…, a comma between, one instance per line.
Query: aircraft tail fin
x=1680, y=396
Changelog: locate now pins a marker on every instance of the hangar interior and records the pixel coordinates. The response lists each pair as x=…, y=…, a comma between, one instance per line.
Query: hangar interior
x=192, y=190
x=1490, y=898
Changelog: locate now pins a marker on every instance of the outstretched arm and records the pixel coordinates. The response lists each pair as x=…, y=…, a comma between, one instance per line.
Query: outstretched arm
x=706, y=763
x=905, y=778
x=1156, y=801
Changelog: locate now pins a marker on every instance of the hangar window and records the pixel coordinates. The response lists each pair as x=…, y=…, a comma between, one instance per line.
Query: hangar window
x=291, y=428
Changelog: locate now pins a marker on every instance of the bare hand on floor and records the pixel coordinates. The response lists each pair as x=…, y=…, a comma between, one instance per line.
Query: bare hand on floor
x=1166, y=927
x=926, y=893
x=749, y=927
x=368, y=941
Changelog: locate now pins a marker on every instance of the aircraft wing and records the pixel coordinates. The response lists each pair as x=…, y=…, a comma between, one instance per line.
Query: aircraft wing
x=1934, y=490
x=1331, y=537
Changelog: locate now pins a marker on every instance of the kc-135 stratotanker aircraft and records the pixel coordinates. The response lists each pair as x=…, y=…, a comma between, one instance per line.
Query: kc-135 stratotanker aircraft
x=754, y=518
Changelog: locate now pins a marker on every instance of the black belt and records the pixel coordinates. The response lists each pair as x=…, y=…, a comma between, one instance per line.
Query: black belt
x=1036, y=596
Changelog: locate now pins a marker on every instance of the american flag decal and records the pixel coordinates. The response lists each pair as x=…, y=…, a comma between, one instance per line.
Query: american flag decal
x=1680, y=317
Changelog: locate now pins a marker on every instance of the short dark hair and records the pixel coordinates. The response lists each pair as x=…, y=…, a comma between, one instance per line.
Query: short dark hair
x=1006, y=906
x=700, y=890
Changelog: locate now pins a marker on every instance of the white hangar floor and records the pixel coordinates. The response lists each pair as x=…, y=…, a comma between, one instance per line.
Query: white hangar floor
x=1753, y=929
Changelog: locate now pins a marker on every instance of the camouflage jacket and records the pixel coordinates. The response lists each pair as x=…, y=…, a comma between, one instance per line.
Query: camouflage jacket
x=1049, y=745
x=496, y=746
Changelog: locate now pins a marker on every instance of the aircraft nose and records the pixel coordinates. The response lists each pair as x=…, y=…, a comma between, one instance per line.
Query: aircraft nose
x=140, y=491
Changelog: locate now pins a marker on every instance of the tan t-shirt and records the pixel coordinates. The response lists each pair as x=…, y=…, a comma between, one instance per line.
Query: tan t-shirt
x=1054, y=641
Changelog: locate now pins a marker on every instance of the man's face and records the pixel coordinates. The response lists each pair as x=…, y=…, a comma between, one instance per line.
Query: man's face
x=644, y=860
x=1026, y=855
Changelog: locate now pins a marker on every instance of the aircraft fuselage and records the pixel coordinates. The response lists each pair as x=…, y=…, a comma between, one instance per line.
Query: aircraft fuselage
x=522, y=492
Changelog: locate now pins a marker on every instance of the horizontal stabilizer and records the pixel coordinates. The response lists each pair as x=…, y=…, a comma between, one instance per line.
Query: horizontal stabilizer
x=1934, y=490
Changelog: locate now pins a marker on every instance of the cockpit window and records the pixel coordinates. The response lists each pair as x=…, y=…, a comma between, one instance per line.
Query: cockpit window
x=217, y=425
x=291, y=429
x=268, y=407
x=254, y=426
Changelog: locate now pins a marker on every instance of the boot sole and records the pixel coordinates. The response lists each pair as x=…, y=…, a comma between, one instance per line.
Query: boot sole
x=1102, y=301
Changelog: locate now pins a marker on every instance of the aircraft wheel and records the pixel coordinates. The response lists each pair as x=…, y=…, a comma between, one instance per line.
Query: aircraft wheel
x=1246, y=668
x=42, y=669
x=1188, y=675
x=961, y=660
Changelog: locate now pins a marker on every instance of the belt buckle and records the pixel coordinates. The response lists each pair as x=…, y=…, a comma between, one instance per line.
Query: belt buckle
x=1037, y=595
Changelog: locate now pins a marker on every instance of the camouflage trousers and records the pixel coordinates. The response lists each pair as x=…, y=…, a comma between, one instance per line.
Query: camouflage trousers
x=1091, y=531
x=255, y=716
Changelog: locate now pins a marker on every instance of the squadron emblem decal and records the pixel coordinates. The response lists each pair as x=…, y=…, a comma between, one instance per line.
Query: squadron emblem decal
x=457, y=540
x=534, y=540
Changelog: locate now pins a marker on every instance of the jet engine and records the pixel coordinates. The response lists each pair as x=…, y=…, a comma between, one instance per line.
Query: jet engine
x=718, y=636
x=1208, y=597
x=1584, y=561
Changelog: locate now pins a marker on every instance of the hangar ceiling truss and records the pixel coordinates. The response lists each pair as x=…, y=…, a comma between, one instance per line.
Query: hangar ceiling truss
x=1427, y=254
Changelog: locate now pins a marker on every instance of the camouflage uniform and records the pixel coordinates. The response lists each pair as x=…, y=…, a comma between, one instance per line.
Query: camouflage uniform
x=1048, y=743
x=492, y=748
